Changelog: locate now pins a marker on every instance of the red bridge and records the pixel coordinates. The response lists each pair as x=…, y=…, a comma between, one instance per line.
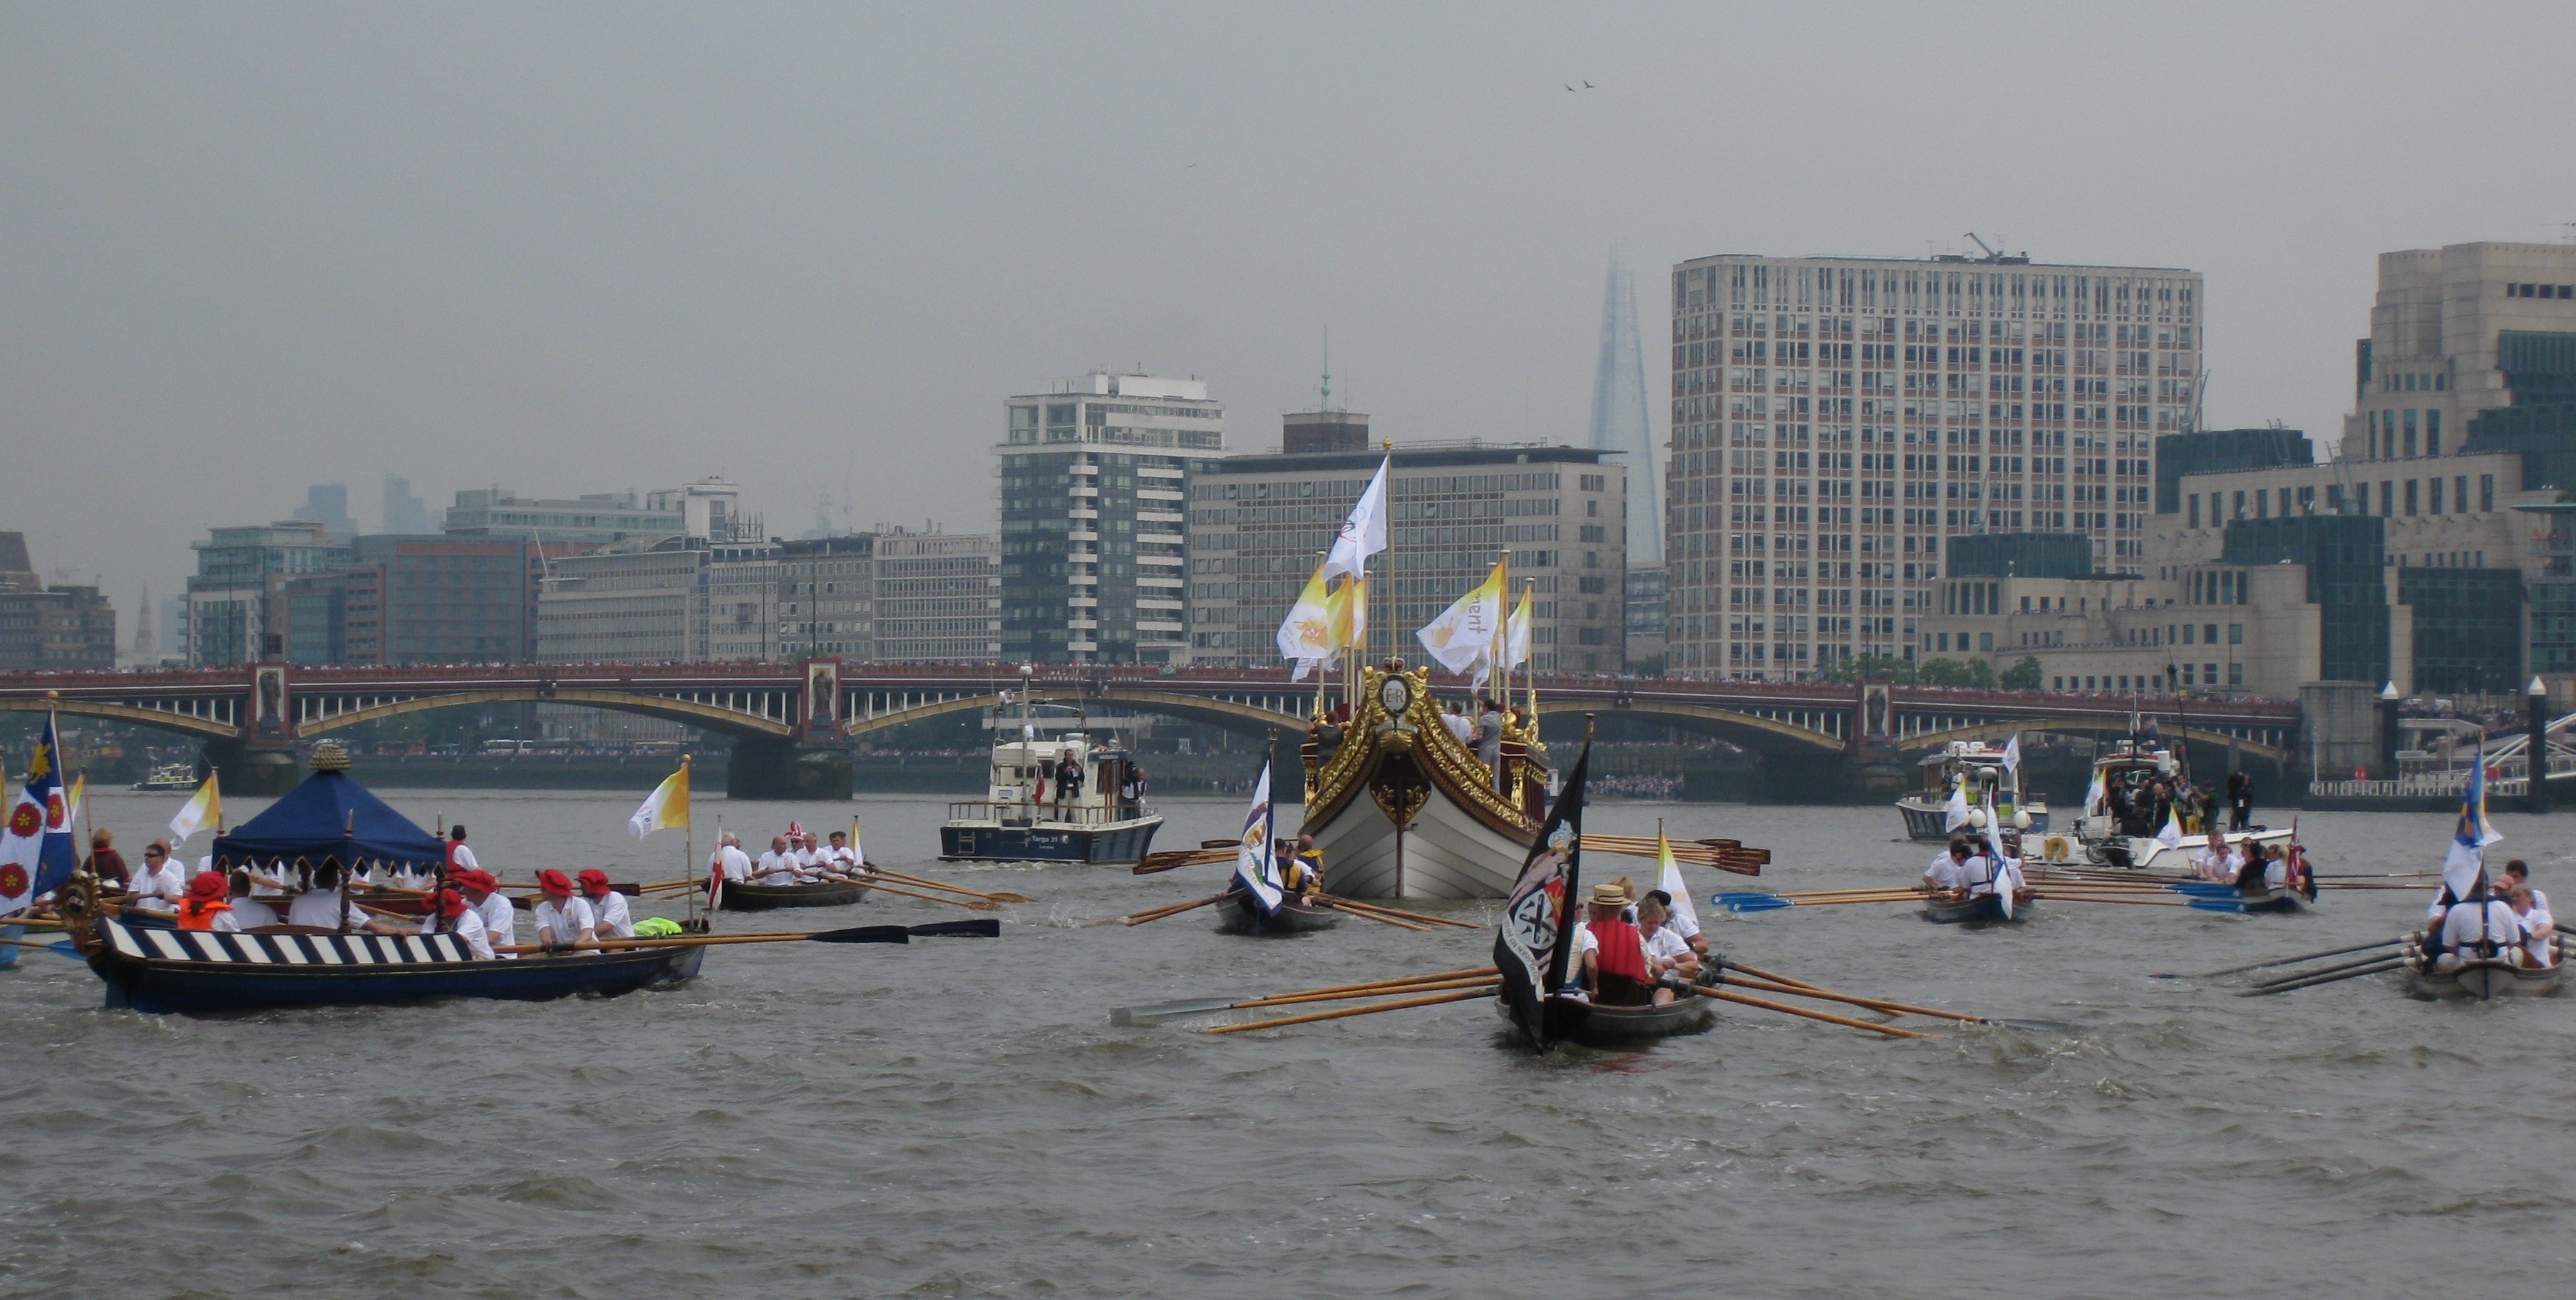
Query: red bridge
x=791, y=722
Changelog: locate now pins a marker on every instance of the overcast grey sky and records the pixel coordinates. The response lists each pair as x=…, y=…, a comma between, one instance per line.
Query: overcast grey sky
x=574, y=248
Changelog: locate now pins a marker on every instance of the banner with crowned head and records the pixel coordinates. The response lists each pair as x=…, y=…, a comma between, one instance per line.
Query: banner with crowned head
x=1530, y=946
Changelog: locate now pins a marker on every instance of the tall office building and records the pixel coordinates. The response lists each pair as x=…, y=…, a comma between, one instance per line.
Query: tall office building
x=327, y=504
x=1094, y=477
x=1836, y=420
x=404, y=512
x=939, y=597
x=1259, y=523
x=58, y=629
x=233, y=606
x=1619, y=414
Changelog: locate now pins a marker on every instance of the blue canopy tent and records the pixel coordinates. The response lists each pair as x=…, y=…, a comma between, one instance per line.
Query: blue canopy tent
x=330, y=816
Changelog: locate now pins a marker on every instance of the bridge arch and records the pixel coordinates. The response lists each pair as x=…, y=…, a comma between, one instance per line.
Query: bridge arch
x=706, y=716
x=1232, y=715
x=202, y=728
x=1752, y=730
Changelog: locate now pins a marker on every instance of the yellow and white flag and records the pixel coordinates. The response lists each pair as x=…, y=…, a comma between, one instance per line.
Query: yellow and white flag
x=80, y=796
x=1519, y=638
x=1463, y=635
x=666, y=807
x=1671, y=882
x=1307, y=634
x=1349, y=607
x=205, y=808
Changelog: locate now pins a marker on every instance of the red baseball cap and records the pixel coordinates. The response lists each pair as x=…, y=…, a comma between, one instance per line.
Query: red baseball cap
x=554, y=882
x=594, y=882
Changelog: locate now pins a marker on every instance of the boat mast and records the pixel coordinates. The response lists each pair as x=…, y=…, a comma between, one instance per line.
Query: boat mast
x=1019, y=771
x=1387, y=570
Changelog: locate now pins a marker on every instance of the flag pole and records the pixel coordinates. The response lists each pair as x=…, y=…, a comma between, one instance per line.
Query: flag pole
x=1388, y=446
x=689, y=854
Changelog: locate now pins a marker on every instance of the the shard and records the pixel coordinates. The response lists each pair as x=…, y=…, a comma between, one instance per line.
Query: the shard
x=1619, y=420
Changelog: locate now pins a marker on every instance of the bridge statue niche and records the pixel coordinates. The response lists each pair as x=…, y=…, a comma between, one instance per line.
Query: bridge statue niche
x=792, y=726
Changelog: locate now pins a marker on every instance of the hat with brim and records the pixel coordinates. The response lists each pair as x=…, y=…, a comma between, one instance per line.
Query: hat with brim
x=451, y=903
x=594, y=881
x=554, y=882
x=206, y=888
x=476, y=878
x=1608, y=895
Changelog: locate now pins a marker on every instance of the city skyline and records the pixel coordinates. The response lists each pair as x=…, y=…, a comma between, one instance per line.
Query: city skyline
x=535, y=311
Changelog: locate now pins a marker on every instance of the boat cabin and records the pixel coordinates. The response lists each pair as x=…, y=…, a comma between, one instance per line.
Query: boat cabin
x=1022, y=785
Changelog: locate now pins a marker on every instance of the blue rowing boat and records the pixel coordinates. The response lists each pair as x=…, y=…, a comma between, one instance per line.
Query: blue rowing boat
x=162, y=970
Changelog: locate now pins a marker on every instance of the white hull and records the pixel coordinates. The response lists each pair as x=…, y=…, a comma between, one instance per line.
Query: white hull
x=1448, y=853
x=2155, y=855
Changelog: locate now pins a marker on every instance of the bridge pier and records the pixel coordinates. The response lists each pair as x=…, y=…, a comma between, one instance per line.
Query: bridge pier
x=248, y=769
x=778, y=768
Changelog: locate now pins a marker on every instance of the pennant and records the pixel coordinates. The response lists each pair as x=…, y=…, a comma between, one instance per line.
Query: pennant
x=36, y=854
x=1954, y=814
x=203, y=809
x=666, y=807
x=2469, y=839
x=1256, y=866
x=1518, y=639
x=1671, y=881
x=1306, y=635
x=1536, y=938
x=2012, y=754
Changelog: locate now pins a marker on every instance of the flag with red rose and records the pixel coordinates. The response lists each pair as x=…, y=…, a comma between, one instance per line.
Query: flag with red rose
x=36, y=843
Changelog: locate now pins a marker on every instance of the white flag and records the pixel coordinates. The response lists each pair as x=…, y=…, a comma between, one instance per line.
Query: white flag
x=2095, y=794
x=1954, y=814
x=205, y=808
x=1364, y=533
x=1671, y=882
x=2170, y=834
x=1517, y=640
x=2012, y=753
x=1256, y=865
x=1462, y=638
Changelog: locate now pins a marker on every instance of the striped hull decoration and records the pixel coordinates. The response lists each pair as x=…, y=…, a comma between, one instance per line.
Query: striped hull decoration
x=151, y=968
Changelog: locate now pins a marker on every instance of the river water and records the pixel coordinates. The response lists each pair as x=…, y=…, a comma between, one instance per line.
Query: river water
x=958, y=1117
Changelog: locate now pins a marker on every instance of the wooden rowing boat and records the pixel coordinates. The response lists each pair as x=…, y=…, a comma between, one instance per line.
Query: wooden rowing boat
x=161, y=970
x=1984, y=909
x=1240, y=915
x=2481, y=979
x=743, y=896
x=1576, y=1020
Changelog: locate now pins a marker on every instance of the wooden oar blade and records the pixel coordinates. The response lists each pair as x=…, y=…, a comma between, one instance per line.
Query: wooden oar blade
x=864, y=934
x=982, y=927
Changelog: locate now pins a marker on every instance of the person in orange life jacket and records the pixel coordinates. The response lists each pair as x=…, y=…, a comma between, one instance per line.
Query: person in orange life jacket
x=249, y=913
x=563, y=921
x=1615, y=962
x=609, y=917
x=449, y=913
x=204, y=907
x=500, y=919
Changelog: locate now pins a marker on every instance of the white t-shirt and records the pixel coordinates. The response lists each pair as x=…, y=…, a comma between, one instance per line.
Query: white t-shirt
x=1684, y=925
x=735, y=863
x=500, y=921
x=464, y=860
x=1946, y=874
x=1663, y=947
x=2276, y=872
x=326, y=909
x=566, y=921
x=251, y=914
x=2221, y=867
x=841, y=858
x=157, y=891
x=1977, y=875
x=777, y=868
x=2470, y=923
x=612, y=920
x=467, y=926
x=1458, y=726
x=225, y=922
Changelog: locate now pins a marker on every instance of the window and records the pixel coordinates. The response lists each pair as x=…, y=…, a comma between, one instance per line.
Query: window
x=2433, y=497
x=2410, y=435
x=2410, y=497
x=2235, y=674
x=2432, y=433
x=2193, y=502
x=2486, y=493
x=2235, y=634
x=2208, y=634
x=2189, y=631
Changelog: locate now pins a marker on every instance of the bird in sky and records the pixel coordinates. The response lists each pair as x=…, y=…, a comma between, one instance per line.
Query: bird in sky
x=1589, y=86
x=1569, y=88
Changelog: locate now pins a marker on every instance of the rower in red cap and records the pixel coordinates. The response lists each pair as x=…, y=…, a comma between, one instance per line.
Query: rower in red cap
x=609, y=917
x=500, y=919
x=563, y=921
x=449, y=913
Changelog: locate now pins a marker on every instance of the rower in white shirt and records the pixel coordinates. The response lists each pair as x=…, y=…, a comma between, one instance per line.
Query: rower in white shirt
x=500, y=918
x=1682, y=925
x=563, y=921
x=326, y=905
x=249, y=912
x=778, y=865
x=731, y=860
x=839, y=858
x=449, y=913
x=2216, y=862
x=1948, y=873
x=610, y=919
x=160, y=883
x=2481, y=926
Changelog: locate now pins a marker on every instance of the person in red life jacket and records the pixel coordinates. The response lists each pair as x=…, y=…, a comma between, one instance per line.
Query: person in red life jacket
x=1615, y=961
x=459, y=857
x=449, y=913
x=204, y=907
x=609, y=917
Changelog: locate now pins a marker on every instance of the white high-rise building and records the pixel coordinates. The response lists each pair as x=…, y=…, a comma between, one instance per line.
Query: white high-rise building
x=1836, y=420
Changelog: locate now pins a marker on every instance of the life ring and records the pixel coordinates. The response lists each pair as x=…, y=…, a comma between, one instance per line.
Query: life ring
x=2054, y=848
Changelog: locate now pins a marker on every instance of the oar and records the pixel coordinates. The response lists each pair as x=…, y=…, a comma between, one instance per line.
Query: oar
x=1436, y=986
x=62, y=946
x=1383, y=919
x=2374, y=959
x=1874, y=1004
x=1768, y=1005
x=1177, y=908
x=971, y=904
x=2373, y=968
x=1348, y=904
x=1172, y=859
x=856, y=934
x=876, y=872
x=1278, y=1021
x=2284, y=961
x=1158, y=1012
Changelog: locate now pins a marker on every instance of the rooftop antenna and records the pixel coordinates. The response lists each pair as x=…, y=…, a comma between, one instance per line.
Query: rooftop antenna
x=1326, y=403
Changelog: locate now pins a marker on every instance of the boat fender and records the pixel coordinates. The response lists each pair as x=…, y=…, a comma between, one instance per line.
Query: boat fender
x=656, y=927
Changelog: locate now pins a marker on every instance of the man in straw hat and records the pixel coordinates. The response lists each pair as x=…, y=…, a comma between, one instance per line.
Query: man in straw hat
x=1616, y=965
